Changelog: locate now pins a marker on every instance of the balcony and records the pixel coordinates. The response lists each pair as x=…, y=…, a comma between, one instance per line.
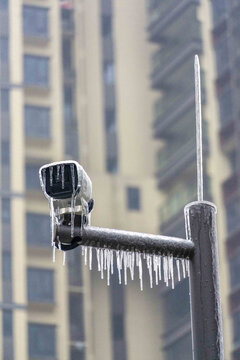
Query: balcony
x=170, y=65
x=230, y=186
x=167, y=114
x=166, y=60
x=220, y=16
x=164, y=13
x=171, y=162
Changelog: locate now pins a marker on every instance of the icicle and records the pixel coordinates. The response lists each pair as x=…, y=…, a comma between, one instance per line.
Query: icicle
x=165, y=269
x=64, y=258
x=108, y=256
x=137, y=259
x=72, y=215
x=155, y=268
x=183, y=268
x=149, y=265
x=52, y=215
x=133, y=263
x=85, y=254
x=169, y=267
x=44, y=178
x=101, y=267
x=90, y=258
x=187, y=267
x=119, y=266
x=125, y=267
x=111, y=261
x=98, y=259
x=83, y=250
x=73, y=200
x=159, y=267
x=73, y=176
x=140, y=271
x=62, y=174
x=171, y=270
x=51, y=175
x=178, y=269
x=54, y=254
x=105, y=259
x=58, y=172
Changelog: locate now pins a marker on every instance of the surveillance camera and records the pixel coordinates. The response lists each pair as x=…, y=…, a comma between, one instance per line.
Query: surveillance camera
x=68, y=189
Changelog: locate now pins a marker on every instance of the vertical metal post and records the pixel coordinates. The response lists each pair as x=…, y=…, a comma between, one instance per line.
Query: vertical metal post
x=206, y=318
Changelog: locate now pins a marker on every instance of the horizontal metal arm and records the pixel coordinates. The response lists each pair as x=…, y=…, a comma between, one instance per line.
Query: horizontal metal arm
x=127, y=240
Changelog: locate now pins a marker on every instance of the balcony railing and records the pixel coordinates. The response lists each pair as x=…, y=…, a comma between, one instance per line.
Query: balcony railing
x=170, y=162
x=164, y=12
x=166, y=112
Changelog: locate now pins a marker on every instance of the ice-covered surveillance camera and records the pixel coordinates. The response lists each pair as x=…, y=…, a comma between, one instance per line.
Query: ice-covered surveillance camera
x=69, y=191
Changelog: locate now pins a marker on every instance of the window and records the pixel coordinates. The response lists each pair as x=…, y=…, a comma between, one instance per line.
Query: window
x=109, y=73
x=68, y=102
x=6, y=266
x=236, y=328
x=4, y=49
x=133, y=198
x=36, y=70
x=118, y=326
x=76, y=317
x=40, y=285
x=35, y=21
x=31, y=177
x=4, y=100
x=225, y=104
x=67, y=53
x=106, y=25
x=232, y=209
x=41, y=237
x=37, y=121
x=6, y=211
x=3, y=4
x=180, y=349
x=5, y=156
x=234, y=264
x=67, y=19
x=176, y=305
x=77, y=354
x=41, y=341
x=74, y=268
x=110, y=119
x=222, y=56
x=7, y=323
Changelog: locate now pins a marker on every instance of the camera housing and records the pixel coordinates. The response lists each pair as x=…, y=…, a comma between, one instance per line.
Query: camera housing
x=68, y=189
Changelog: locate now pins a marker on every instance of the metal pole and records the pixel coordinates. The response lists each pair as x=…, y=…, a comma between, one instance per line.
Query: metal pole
x=126, y=240
x=206, y=315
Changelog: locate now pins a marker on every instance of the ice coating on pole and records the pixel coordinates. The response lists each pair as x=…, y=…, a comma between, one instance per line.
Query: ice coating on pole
x=198, y=128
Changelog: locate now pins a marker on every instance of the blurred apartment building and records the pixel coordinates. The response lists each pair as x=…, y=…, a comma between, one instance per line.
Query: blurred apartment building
x=178, y=30
x=226, y=39
x=74, y=84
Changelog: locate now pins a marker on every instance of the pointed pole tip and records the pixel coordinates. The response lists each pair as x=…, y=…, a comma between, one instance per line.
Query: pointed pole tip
x=196, y=60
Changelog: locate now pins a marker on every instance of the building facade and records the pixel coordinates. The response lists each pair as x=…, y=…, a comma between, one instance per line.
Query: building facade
x=74, y=84
x=226, y=38
x=178, y=30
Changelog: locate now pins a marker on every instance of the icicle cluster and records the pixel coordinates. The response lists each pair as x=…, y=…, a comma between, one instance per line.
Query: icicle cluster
x=159, y=267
